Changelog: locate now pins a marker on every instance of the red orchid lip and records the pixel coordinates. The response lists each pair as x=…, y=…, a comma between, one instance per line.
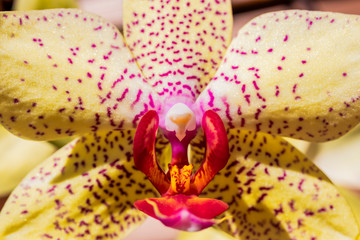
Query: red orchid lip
x=180, y=207
x=215, y=157
x=183, y=212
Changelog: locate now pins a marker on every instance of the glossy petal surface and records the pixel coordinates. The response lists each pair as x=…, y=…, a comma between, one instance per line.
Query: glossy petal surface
x=178, y=44
x=292, y=73
x=85, y=191
x=275, y=192
x=18, y=157
x=66, y=72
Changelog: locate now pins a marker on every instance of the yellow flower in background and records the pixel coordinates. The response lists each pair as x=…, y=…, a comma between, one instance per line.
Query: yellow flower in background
x=18, y=157
x=175, y=80
x=25, y=5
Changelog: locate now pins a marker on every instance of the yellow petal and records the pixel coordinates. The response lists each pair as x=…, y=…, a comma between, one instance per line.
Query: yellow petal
x=178, y=44
x=276, y=192
x=66, y=72
x=292, y=73
x=84, y=190
x=24, y=5
x=18, y=157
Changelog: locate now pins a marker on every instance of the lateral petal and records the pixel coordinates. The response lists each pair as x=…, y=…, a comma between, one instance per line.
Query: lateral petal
x=274, y=191
x=178, y=44
x=86, y=191
x=67, y=72
x=292, y=73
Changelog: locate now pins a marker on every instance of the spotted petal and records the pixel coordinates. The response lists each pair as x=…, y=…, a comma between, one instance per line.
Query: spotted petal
x=66, y=72
x=293, y=73
x=85, y=191
x=276, y=192
x=178, y=44
x=18, y=157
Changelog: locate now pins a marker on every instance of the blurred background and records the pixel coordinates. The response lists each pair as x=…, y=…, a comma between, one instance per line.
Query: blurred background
x=339, y=159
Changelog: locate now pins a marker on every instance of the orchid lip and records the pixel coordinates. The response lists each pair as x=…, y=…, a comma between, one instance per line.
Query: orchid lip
x=183, y=212
x=179, y=207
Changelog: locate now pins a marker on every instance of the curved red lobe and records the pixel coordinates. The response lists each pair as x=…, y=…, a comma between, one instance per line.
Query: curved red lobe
x=217, y=151
x=183, y=212
x=144, y=151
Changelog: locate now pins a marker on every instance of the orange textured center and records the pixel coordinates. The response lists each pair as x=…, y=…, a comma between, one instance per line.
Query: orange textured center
x=180, y=178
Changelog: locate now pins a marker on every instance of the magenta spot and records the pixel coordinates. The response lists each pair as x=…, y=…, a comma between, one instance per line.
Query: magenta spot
x=99, y=86
x=277, y=91
x=255, y=85
x=286, y=38
x=344, y=74
x=123, y=95
x=212, y=98
x=294, y=88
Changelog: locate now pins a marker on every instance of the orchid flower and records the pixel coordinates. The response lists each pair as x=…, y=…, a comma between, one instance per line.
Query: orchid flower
x=161, y=111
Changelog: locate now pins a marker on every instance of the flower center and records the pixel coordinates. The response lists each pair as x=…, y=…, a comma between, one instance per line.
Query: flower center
x=178, y=207
x=180, y=178
x=180, y=118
